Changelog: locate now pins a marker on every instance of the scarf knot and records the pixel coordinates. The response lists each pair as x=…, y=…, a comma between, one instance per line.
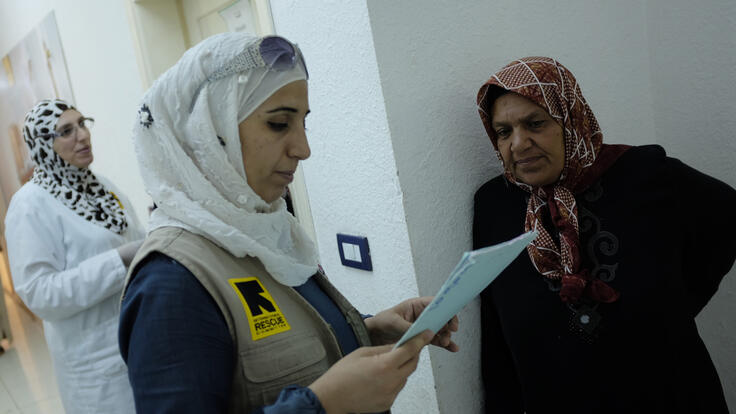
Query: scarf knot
x=581, y=284
x=573, y=286
x=601, y=291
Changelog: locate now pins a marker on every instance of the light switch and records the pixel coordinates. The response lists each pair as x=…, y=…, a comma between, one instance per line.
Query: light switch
x=354, y=251
x=349, y=251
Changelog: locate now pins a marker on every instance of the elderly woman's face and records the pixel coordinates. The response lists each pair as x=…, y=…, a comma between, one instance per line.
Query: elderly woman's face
x=530, y=141
x=75, y=147
x=273, y=140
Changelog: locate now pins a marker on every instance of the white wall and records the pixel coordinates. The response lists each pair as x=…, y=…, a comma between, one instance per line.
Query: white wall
x=351, y=176
x=693, y=61
x=98, y=47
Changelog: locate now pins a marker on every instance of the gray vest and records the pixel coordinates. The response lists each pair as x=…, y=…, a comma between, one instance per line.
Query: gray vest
x=279, y=338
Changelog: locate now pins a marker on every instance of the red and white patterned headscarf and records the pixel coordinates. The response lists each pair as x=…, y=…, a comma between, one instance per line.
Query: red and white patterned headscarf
x=550, y=85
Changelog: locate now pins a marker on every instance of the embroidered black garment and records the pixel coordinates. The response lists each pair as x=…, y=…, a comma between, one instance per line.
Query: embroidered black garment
x=638, y=235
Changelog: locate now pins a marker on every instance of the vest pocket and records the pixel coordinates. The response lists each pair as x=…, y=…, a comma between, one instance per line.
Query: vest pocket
x=297, y=359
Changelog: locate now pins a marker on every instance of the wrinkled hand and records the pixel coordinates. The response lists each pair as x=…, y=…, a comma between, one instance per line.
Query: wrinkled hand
x=389, y=325
x=369, y=378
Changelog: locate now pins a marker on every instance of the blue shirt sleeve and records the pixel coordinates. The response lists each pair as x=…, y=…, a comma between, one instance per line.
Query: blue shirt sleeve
x=168, y=324
x=294, y=400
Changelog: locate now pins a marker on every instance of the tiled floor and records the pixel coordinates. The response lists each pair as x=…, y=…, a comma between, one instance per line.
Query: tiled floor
x=27, y=383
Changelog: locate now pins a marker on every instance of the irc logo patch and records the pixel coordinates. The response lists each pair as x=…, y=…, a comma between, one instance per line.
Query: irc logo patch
x=264, y=316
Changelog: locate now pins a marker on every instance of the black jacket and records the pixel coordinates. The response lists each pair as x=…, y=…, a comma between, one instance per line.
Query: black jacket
x=659, y=232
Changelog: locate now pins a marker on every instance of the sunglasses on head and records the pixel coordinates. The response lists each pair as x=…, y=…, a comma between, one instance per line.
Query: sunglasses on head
x=273, y=52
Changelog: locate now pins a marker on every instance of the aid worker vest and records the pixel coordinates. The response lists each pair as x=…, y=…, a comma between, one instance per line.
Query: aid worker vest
x=278, y=337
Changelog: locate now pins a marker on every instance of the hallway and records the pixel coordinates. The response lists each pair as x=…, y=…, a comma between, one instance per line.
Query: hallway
x=27, y=383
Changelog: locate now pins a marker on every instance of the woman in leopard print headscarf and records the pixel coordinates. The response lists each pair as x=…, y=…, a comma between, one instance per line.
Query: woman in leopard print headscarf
x=70, y=240
x=68, y=179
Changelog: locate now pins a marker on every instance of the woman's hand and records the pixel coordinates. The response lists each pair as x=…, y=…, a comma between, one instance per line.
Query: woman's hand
x=389, y=325
x=369, y=378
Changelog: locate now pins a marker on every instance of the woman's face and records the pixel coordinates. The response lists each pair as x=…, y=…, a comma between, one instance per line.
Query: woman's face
x=273, y=140
x=530, y=141
x=75, y=146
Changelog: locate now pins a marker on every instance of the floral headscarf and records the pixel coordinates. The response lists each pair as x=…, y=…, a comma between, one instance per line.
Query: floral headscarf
x=77, y=188
x=550, y=85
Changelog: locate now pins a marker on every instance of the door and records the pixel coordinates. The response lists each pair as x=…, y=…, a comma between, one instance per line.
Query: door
x=204, y=18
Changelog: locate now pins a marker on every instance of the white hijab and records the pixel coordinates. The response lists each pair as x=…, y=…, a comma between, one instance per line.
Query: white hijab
x=192, y=165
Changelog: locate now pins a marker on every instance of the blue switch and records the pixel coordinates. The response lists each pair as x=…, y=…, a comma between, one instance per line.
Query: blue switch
x=354, y=251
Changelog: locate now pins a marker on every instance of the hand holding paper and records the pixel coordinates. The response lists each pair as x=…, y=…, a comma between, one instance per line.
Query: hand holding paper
x=387, y=326
x=475, y=271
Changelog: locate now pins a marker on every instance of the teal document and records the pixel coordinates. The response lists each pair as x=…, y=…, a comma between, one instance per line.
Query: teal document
x=476, y=270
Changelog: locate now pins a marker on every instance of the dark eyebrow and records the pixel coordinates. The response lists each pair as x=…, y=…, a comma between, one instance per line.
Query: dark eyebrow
x=527, y=118
x=287, y=109
x=282, y=108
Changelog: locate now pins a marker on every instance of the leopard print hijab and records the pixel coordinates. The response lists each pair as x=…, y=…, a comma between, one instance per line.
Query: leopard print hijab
x=77, y=188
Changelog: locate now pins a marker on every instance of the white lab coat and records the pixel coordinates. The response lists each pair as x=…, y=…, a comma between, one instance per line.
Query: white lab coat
x=67, y=271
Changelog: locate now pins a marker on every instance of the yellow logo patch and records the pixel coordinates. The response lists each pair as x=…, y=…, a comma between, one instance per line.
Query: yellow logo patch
x=264, y=316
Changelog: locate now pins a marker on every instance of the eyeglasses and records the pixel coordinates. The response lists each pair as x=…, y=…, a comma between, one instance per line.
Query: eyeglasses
x=70, y=130
x=273, y=52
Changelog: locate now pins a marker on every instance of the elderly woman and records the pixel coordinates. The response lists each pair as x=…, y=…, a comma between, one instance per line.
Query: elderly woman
x=599, y=316
x=70, y=238
x=226, y=308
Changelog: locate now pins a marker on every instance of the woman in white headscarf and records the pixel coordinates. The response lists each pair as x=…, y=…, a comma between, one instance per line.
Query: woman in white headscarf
x=71, y=236
x=226, y=308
